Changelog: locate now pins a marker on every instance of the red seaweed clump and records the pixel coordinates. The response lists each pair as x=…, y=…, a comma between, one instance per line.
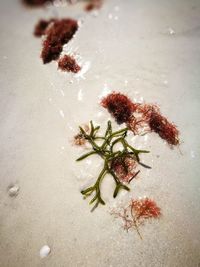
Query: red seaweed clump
x=93, y=4
x=137, y=213
x=41, y=27
x=68, y=63
x=60, y=33
x=79, y=140
x=119, y=105
x=165, y=129
x=140, y=117
x=36, y=3
x=145, y=208
x=139, y=121
x=125, y=168
x=151, y=118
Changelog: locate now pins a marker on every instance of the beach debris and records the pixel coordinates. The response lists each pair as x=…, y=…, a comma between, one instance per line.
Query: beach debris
x=44, y=251
x=13, y=190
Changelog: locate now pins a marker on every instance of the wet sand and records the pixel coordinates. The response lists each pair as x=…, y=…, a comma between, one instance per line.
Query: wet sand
x=147, y=49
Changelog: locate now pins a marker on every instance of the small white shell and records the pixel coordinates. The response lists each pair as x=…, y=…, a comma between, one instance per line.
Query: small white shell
x=44, y=251
x=13, y=190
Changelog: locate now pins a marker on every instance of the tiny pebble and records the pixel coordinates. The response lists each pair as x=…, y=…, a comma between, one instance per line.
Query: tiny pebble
x=13, y=190
x=44, y=251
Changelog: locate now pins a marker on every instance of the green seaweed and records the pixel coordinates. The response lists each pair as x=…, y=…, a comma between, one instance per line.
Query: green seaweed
x=106, y=151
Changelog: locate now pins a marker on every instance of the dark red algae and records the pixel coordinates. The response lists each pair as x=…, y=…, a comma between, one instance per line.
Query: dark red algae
x=68, y=63
x=125, y=168
x=41, y=27
x=36, y=3
x=119, y=105
x=151, y=116
x=140, y=116
x=60, y=33
x=165, y=129
x=93, y=4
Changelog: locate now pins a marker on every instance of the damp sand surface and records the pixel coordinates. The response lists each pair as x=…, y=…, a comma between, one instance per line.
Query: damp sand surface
x=149, y=50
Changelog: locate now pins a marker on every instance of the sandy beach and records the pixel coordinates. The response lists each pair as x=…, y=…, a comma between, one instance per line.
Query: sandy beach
x=147, y=49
